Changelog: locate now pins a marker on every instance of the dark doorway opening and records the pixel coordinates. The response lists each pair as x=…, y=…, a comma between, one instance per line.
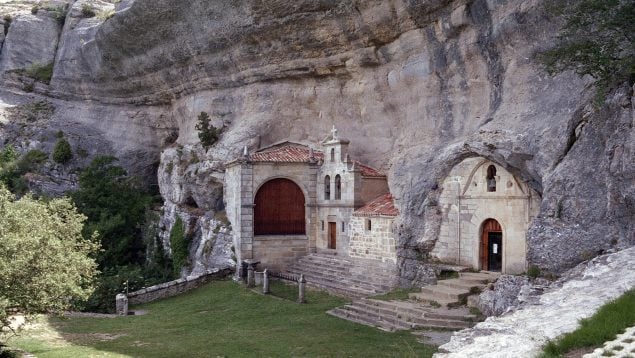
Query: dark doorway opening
x=492, y=246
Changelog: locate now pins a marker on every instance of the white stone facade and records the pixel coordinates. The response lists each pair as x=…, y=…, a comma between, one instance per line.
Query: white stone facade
x=466, y=203
x=374, y=240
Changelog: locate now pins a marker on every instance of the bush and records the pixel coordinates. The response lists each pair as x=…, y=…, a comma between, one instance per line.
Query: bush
x=533, y=271
x=207, y=133
x=179, y=243
x=87, y=11
x=41, y=73
x=62, y=152
x=35, y=9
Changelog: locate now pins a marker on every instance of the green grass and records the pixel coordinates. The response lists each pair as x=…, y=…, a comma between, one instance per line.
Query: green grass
x=221, y=319
x=609, y=321
x=397, y=294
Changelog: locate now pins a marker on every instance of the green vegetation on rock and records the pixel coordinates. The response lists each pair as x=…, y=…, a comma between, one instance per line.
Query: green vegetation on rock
x=597, y=39
x=609, y=321
x=179, y=242
x=62, y=152
x=207, y=133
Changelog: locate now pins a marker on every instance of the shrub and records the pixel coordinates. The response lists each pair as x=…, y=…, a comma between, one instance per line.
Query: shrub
x=207, y=133
x=533, y=271
x=39, y=72
x=106, y=14
x=87, y=11
x=35, y=9
x=180, y=245
x=62, y=152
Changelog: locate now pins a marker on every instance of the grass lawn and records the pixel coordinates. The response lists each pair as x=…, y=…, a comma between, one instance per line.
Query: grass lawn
x=221, y=319
x=609, y=321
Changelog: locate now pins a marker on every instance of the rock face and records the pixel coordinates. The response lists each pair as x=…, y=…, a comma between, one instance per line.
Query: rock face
x=418, y=86
x=502, y=296
x=32, y=40
x=523, y=332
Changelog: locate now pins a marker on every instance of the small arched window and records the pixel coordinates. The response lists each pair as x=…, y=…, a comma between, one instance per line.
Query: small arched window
x=338, y=187
x=491, y=178
x=327, y=188
x=369, y=225
x=332, y=154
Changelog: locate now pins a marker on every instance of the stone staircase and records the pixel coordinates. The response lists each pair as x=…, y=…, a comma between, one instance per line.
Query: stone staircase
x=348, y=277
x=454, y=292
x=404, y=315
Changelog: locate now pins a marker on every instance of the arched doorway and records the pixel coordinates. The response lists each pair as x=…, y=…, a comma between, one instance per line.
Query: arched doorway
x=491, y=246
x=279, y=209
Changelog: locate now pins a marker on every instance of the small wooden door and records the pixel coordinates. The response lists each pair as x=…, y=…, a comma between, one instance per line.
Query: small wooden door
x=332, y=235
x=491, y=246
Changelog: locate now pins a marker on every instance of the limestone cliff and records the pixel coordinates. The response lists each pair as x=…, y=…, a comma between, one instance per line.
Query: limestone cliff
x=417, y=85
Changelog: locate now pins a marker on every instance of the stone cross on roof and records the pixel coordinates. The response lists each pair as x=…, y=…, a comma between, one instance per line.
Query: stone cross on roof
x=334, y=132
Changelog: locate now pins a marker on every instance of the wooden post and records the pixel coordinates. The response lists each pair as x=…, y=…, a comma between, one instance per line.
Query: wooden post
x=301, y=287
x=265, y=282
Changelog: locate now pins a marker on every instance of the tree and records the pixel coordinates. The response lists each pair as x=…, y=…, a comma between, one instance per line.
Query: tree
x=115, y=205
x=62, y=151
x=596, y=39
x=207, y=133
x=45, y=262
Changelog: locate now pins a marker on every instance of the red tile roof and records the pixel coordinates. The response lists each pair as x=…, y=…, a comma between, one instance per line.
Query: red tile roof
x=368, y=171
x=381, y=206
x=288, y=152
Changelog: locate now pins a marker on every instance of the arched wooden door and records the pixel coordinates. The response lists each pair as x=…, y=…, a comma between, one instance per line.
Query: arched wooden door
x=491, y=256
x=279, y=209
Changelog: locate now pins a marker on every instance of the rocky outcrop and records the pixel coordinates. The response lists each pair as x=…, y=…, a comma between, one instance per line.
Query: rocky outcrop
x=502, y=296
x=524, y=331
x=416, y=85
x=32, y=40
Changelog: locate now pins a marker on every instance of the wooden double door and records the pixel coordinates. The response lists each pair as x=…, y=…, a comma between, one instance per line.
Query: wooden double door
x=491, y=251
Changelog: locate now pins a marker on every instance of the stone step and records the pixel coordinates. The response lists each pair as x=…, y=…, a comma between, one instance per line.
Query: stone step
x=355, y=265
x=339, y=289
x=365, y=320
x=313, y=274
x=407, y=320
x=416, y=309
x=484, y=276
x=424, y=297
x=445, y=292
x=458, y=283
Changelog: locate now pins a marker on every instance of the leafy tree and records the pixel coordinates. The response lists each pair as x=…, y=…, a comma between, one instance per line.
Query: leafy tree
x=207, y=133
x=62, y=151
x=45, y=262
x=596, y=39
x=115, y=206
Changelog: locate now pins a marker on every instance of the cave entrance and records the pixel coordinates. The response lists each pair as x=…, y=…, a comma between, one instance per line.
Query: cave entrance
x=491, y=252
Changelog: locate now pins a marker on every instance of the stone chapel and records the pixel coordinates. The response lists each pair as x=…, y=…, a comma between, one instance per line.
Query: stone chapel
x=289, y=199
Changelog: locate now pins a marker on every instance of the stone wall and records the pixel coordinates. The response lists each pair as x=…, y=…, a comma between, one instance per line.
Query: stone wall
x=377, y=243
x=278, y=252
x=173, y=288
x=465, y=204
